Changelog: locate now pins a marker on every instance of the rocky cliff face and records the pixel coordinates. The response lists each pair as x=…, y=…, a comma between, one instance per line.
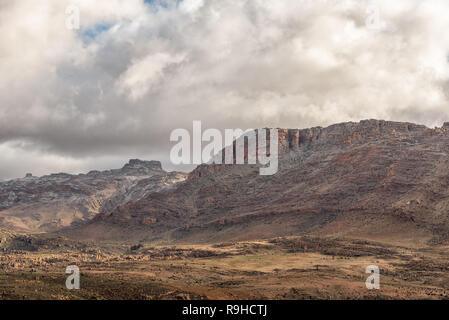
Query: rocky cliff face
x=369, y=178
x=50, y=202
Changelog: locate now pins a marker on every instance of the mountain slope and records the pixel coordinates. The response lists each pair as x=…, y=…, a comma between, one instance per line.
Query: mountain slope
x=48, y=203
x=371, y=178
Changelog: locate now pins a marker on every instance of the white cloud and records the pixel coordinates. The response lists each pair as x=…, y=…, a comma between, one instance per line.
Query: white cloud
x=190, y=6
x=135, y=71
x=147, y=73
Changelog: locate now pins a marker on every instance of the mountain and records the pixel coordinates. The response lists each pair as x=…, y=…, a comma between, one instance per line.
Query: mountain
x=369, y=179
x=48, y=203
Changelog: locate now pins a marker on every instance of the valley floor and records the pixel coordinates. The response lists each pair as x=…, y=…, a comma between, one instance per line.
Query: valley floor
x=281, y=268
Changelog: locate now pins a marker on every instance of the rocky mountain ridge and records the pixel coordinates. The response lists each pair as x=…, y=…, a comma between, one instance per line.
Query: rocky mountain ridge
x=373, y=178
x=48, y=203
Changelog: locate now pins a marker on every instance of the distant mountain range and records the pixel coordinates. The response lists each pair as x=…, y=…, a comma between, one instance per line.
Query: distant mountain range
x=371, y=179
x=49, y=203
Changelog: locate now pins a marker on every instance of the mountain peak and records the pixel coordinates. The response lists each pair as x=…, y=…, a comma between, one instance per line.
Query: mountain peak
x=142, y=165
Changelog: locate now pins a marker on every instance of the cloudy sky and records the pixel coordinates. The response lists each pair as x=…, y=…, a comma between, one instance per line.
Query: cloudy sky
x=75, y=99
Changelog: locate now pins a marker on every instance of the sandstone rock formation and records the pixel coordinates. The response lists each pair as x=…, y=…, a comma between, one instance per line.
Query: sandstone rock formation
x=372, y=178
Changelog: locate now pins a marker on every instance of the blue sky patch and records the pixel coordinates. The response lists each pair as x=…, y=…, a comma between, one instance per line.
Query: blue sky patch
x=92, y=32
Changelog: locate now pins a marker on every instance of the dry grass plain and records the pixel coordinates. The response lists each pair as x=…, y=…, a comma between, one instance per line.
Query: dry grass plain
x=280, y=268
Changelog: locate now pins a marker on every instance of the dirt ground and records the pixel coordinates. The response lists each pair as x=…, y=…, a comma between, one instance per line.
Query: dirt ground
x=280, y=268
